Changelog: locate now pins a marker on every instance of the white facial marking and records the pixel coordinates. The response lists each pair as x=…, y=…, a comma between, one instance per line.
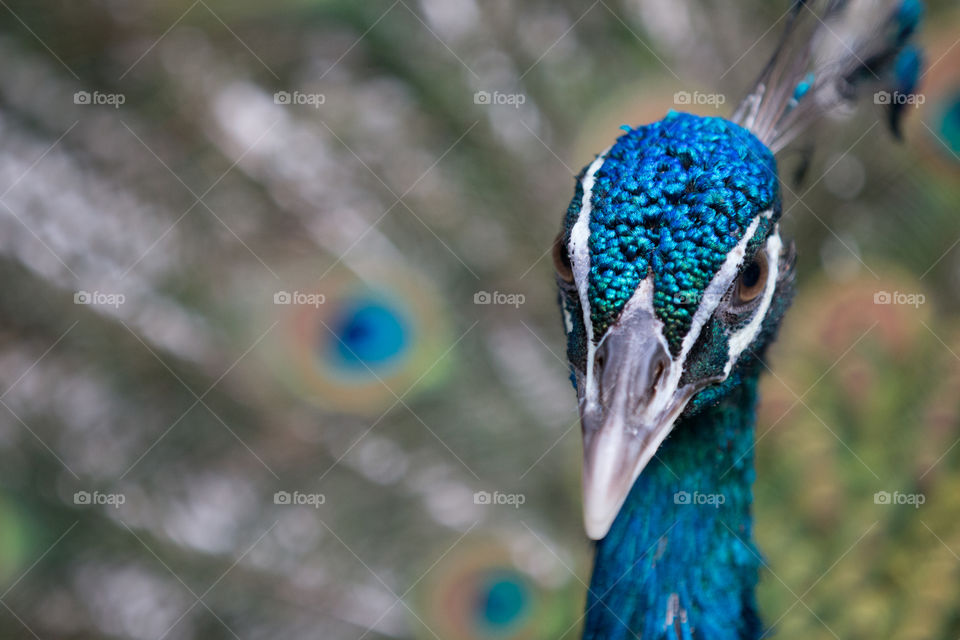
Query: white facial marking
x=718, y=286
x=580, y=261
x=742, y=338
x=567, y=319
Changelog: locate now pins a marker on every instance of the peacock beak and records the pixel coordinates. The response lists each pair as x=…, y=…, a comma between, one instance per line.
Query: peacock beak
x=627, y=415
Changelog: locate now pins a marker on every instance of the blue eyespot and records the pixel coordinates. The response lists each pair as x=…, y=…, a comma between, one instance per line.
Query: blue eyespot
x=504, y=601
x=368, y=334
x=347, y=344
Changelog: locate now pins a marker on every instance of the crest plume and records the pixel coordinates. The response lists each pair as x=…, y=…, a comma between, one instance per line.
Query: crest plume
x=829, y=53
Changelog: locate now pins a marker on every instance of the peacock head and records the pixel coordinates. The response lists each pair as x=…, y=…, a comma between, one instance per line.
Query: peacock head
x=673, y=278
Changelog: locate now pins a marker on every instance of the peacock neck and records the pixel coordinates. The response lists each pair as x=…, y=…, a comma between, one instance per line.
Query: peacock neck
x=679, y=561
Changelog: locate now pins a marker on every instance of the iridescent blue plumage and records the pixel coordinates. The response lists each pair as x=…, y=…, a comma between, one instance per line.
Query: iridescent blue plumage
x=673, y=280
x=670, y=202
x=673, y=198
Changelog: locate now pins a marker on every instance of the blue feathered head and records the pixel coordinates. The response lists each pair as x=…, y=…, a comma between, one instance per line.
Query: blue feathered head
x=669, y=263
x=672, y=273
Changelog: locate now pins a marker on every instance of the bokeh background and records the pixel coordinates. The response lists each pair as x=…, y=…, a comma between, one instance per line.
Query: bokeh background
x=280, y=355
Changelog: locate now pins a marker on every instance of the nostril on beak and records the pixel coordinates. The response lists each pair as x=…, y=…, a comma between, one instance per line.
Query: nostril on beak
x=647, y=385
x=657, y=374
x=608, y=378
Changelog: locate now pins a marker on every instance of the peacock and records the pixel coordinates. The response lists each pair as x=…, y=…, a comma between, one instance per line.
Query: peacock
x=673, y=279
x=315, y=383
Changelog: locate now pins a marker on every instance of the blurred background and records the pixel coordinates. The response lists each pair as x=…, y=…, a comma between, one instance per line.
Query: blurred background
x=280, y=355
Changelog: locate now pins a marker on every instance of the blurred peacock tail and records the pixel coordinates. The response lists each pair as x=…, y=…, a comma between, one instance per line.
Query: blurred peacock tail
x=482, y=592
x=344, y=345
x=223, y=496
x=673, y=280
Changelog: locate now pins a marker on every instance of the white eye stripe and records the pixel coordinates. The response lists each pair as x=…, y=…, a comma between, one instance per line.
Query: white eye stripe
x=741, y=339
x=713, y=294
x=579, y=249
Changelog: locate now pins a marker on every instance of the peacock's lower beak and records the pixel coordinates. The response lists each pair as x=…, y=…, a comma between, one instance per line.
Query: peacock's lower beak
x=631, y=411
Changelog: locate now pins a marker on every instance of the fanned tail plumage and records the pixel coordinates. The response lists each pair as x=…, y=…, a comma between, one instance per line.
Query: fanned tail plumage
x=829, y=53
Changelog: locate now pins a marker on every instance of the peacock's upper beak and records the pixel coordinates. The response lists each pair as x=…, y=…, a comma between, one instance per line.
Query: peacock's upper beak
x=627, y=416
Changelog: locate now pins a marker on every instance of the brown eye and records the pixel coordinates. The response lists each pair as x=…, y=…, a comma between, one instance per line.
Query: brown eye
x=753, y=279
x=561, y=259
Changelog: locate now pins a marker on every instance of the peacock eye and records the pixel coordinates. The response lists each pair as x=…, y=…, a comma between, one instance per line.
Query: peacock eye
x=561, y=259
x=752, y=280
